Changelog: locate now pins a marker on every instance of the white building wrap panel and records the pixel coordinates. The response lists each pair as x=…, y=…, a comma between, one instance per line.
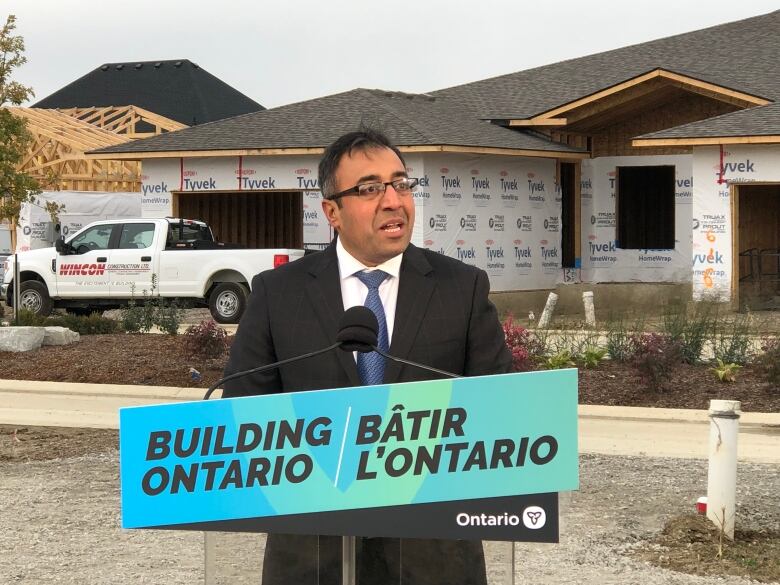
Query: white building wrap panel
x=159, y=178
x=81, y=208
x=602, y=259
x=714, y=168
x=501, y=214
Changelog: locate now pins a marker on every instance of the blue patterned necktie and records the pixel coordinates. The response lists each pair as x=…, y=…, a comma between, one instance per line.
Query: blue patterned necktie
x=371, y=365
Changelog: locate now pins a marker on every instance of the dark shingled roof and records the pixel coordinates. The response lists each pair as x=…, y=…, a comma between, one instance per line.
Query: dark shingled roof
x=760, y=121
x=179, y=90
x=408, y=119
x=741, y=55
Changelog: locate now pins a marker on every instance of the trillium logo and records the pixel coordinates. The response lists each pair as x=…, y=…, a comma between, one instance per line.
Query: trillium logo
x=534, y=517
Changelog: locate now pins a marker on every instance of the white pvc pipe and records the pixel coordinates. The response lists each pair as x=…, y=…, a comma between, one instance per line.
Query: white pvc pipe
x=549, y=307
x=722, y=473
x=590, y=311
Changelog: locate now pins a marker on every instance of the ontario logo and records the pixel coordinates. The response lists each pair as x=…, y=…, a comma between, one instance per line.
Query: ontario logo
x=82, y=269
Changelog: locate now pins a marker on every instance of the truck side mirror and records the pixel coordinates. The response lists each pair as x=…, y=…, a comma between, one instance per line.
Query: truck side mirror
x=61, y=247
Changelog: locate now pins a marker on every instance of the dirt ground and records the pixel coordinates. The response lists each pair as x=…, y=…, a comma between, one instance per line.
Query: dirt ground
x=25, y=444
x=691, y=544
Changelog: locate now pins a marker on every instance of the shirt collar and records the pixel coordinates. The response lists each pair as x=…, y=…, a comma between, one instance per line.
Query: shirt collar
x=349, y=265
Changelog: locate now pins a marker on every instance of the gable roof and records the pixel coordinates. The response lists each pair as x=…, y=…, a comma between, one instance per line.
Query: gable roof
x=410, y=120
x=762, y=124
x=179, y=90
x=740, y=55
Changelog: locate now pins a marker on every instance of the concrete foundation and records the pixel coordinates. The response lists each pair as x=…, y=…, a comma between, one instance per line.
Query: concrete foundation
x=609, y=298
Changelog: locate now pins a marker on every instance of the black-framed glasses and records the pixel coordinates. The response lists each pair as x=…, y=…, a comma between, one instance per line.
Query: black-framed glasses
x=402, y=186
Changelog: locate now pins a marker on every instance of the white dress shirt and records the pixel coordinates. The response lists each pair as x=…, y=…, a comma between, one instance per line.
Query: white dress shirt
x=354, y=292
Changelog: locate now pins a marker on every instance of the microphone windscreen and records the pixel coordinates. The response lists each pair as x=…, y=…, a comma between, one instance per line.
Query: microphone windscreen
x=357, y=329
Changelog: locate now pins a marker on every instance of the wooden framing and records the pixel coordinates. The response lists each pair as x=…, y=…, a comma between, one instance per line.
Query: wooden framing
x=319, y=150
x=707, y=141
x=631, y=89
x=56, y=156
x=124, y=119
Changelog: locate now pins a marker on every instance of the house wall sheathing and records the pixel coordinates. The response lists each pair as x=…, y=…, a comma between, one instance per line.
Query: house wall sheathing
x=716, y=171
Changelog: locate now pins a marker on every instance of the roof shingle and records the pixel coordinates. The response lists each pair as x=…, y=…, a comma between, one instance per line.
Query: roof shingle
x=179, y=90
x=408, y=119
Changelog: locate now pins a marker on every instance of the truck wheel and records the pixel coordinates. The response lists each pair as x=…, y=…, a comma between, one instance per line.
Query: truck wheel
x=228, y=301
x=34, y=296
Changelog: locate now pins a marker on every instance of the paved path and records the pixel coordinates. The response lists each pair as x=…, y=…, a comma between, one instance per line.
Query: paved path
x=607, y=430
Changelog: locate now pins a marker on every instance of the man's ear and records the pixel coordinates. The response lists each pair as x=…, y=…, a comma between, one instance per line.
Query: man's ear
x=331, y=211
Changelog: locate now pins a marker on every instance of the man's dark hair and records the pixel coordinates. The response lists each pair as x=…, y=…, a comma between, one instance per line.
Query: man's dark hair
x=362, y=140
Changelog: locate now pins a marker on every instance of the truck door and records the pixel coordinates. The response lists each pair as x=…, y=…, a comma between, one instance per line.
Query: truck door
x=84, y=274
x=133, y=261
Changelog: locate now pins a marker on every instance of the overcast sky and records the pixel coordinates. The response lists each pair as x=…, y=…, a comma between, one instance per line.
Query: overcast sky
x=292, y=50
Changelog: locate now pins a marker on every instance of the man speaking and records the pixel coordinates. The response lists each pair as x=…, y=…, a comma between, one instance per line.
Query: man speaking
x=430, y=308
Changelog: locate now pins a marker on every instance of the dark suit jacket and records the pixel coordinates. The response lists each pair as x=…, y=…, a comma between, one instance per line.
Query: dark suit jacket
x=443, y=319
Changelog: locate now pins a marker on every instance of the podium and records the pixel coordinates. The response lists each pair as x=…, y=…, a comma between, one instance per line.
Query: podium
x=233, y=558
x=402, y=482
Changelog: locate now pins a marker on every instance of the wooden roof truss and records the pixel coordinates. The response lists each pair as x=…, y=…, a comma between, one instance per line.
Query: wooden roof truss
x=124, y=120
x=56, y=156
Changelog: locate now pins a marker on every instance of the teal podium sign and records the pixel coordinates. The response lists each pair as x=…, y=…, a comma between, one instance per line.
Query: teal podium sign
x=299, y=455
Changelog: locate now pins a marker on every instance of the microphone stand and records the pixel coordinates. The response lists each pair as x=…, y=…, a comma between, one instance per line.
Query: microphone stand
x=259, y=369
x=415, y=364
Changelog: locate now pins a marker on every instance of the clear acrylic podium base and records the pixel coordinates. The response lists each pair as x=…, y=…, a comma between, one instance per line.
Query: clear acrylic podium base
x=236, y=558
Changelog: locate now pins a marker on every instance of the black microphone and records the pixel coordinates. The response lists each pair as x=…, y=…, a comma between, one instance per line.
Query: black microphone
x=364, y=339
x=355, y=334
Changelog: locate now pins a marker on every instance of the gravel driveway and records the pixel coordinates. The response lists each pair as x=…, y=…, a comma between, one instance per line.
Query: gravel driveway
x=59, y=523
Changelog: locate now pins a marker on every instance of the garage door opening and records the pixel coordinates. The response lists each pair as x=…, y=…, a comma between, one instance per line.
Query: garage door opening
x=257, y=219
x=757, y=241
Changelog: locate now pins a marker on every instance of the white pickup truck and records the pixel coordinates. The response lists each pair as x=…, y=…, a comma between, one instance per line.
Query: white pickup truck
x=108, y=262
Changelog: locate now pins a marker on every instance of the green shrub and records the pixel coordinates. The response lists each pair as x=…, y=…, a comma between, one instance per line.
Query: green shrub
x=621, y=339
x=689, y=330
x=557, y=361
x=92, y=324
x=168, y=316
x=26, y=318
x=592, y=356
x=132, y=316
x=768, y=362
x=733, y=341
x=726, y=372
x=655, y=359
x=153, y=310
x=207, y=340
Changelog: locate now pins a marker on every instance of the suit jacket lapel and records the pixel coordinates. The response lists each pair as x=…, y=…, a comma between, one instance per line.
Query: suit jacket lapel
x=414, y=292
x=325, y=296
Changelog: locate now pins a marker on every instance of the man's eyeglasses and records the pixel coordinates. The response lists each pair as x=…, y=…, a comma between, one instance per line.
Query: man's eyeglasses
x=370, y=191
